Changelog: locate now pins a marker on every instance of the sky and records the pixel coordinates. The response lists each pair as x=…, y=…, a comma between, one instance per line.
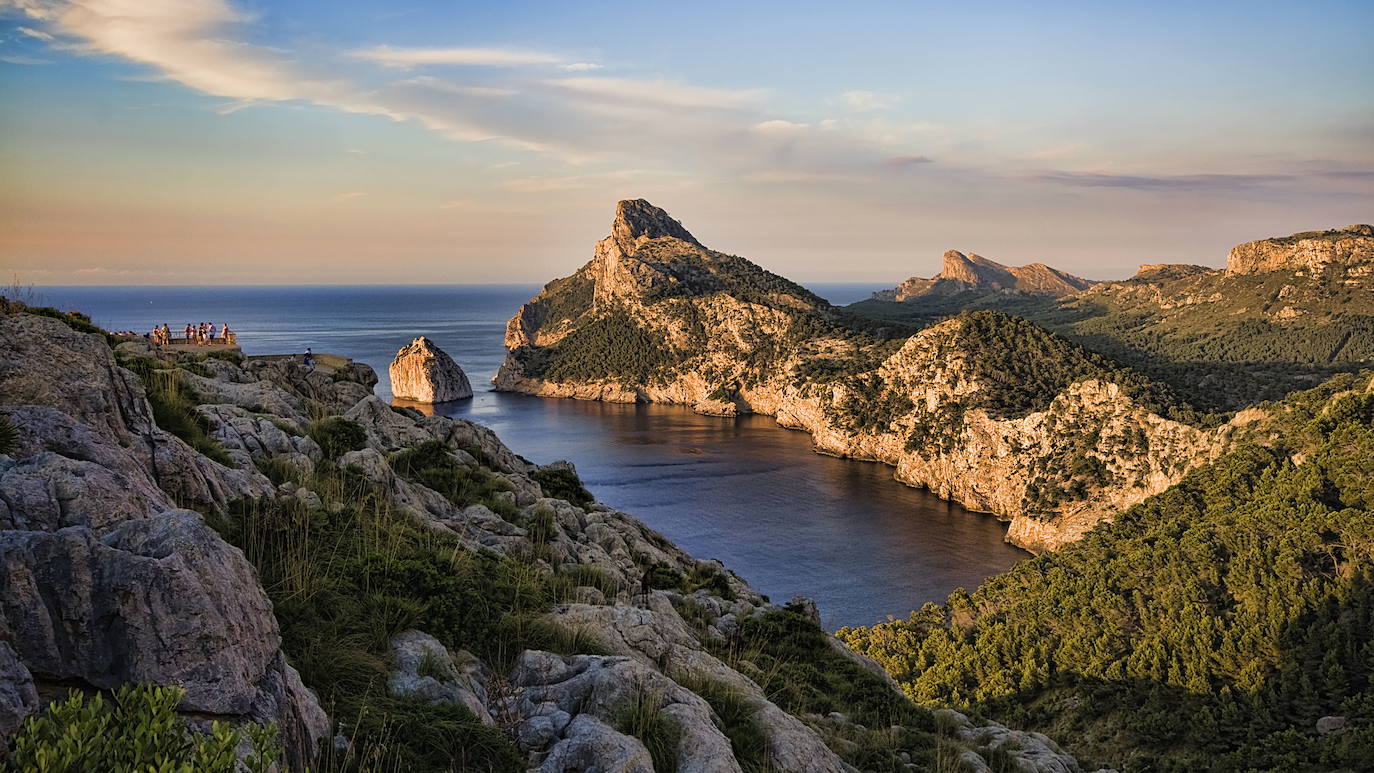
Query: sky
x=257, y=142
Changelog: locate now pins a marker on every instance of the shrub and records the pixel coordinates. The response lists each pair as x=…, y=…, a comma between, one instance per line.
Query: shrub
x=137, y=730
x=562, y=483
x=337, y=436
x=432, y=465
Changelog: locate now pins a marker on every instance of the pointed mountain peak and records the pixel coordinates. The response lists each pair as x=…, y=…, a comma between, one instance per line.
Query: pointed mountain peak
x=975, y=270
x=637, y=219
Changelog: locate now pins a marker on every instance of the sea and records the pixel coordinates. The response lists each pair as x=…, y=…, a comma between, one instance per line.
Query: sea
x=741, y=490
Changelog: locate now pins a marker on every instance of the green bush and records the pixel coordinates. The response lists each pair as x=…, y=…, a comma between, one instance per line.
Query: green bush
x=562, y=484
x=137, y=730
x=337, y=436
x=433, y=465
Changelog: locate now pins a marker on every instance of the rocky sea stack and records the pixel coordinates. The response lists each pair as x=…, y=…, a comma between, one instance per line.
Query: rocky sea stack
x=424, y=373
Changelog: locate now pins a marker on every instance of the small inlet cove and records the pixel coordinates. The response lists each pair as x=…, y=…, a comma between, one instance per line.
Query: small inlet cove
x=744, y=490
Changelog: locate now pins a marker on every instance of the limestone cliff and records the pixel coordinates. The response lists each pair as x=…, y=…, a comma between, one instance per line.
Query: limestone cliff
x=424, y=373
x=983, y=409
x=975, y=273
x=1345, y=248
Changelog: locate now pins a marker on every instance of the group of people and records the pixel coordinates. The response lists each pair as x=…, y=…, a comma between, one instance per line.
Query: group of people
x=202, y=335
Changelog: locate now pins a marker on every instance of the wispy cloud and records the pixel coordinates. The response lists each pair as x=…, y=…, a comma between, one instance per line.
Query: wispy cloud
x=348, y=196
x=658, y=92
x=39, y=34
x=406, y=58
x=862, y=101
x=23, y=60
x=903, y=161
x=581, y=66
x=1186, y=182
x=777, y=126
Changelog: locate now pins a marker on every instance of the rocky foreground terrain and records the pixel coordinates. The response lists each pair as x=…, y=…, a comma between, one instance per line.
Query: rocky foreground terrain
x=983, y=408
x=219, y=524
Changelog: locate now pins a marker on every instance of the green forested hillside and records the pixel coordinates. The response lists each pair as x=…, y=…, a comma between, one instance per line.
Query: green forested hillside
x=1223, y=341
x=1208, y=628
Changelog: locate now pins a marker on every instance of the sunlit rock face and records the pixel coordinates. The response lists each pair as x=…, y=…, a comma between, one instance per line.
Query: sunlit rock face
x=1345, y=249
x=424, y=373
x=974, y=273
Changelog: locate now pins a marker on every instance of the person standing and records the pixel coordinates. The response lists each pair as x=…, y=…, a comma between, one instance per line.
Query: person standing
x=188, y=332
x=309, y=358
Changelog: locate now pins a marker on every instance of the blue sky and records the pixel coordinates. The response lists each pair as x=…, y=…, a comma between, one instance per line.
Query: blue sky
x=187, y=141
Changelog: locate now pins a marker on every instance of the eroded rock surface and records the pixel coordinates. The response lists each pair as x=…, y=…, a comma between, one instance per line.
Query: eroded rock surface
x=424, y=373
x=104, y=578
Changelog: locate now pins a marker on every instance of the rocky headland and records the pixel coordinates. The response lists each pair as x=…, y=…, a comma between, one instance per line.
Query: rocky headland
x=219, y=522
x=982, y=408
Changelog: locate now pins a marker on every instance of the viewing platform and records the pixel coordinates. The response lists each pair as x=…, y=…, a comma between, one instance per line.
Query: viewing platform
x=229, y=344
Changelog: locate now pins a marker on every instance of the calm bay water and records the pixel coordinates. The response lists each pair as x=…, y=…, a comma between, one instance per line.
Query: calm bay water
x=743, y=490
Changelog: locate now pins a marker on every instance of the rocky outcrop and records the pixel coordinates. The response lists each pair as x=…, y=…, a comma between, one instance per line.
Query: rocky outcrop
x=1170, y=271
x=108, y=580
x=424, y=373
x=966, y=273
x=732, y=339
x=104, y=578
x=1312, y=251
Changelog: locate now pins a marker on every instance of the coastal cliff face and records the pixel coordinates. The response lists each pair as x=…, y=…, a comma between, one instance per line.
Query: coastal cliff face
x=983, y=409
x=427, y=581
x=974, y=273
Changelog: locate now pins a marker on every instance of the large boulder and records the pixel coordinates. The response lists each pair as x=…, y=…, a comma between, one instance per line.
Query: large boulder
x=424, y=373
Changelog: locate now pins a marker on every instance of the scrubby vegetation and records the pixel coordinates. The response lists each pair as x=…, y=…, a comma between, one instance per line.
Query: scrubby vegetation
x=337, y=436
x=174, y=403
x=785, y=652
x=346, y=577
x=136, y=729
x=432, y=465
x=1219, y=342
x=1207, y=628
x=610, y=345
x=642, y=717
x=562, y=484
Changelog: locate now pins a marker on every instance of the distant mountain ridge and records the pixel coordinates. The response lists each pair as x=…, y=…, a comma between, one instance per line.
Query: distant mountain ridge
x=964, y=273
x=1286, y=313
